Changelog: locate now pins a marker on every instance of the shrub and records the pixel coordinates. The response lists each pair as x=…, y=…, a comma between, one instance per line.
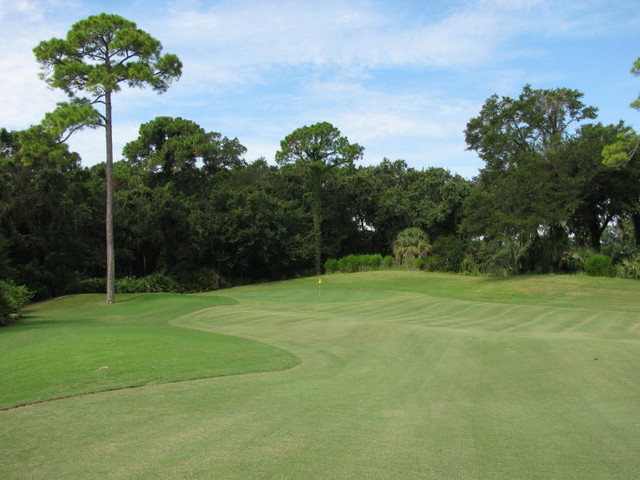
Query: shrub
x=203, y=280
x=357, y=263
x=90, y=285
x=12, y=299
x=347, y=264
x=419, y=263
x=331, y=265
x=598, y=265
x=388, y=261
x=469, y=266
x=572, y=261
x=129, y=285
x=448, y=254
x=159, y=282
x=630, y=268
x=373, y=261
x=154, y=283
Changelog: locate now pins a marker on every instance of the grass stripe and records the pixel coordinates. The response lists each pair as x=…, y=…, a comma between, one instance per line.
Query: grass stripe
x=401, y=375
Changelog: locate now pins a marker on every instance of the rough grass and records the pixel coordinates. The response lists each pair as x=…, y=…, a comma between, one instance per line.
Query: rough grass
x=402, y=375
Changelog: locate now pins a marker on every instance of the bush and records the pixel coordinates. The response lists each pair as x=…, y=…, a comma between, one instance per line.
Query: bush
x=355, y=263
x=203, y=280
x=630, y=268
x=448, y=254
x=469, y=266
x=331, y=265
x=419, y=263
x=388, y=261
x=598, y=265
x=90, y=285
x=154, y=283
x=348, y=264
x=373, y=261
x=12, y=299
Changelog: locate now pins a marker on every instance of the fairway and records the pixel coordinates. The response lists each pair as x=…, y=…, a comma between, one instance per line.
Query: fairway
x=380, y=375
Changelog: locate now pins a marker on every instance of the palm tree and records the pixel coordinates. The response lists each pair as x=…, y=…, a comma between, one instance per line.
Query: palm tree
x=411, y=243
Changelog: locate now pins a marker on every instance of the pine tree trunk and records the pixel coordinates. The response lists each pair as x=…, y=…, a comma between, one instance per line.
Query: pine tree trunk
x=317, y=234
x=316, y=213
x=109, y=214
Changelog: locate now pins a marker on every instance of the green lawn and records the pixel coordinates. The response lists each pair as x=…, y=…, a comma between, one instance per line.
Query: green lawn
x=394, y=375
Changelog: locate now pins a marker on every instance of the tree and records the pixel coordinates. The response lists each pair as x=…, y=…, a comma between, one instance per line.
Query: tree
x=627, y=142
x=635, y=70
x=316, y=151
x=389, y=197
x=411, y=243
x=605, y=194
x=173, y=149
x=525, y=189
x=508, y=130
x=48, y=215
x=98, y=56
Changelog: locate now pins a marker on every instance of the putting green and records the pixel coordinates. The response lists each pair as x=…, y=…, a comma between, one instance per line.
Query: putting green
x=402, y=375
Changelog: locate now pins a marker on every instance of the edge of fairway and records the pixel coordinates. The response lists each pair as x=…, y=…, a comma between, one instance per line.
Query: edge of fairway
x=86, y=348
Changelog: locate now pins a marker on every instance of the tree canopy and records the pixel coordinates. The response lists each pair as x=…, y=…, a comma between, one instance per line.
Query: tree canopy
x=98, y=55
x=191, y=213
x=315, y=151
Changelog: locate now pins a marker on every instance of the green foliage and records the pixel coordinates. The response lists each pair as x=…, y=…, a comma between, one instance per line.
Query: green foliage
x=102, y=52
x=12, y=299
x=529, y=182
x=635, y=70
x=385, y=198
x=599, y=265
x=350, y=263
x=419, y=263
x=411, y=243
x=98, y=55
x=388, y=261
x=498, y=258
x=629, y=268
x=619, y=240
x=331, y=265
x=90, y=285
x=154, y=283
x=622, y=150
x=317, y=151
x=355, y=263
x=448, y=254
x=51, y=219
x=173, y=149
x=202, y=280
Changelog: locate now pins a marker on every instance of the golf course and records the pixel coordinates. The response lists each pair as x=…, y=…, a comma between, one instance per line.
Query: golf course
x=384, y=375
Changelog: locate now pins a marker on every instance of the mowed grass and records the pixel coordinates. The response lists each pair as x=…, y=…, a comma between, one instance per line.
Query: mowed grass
x=78, y=345
x=396, y=375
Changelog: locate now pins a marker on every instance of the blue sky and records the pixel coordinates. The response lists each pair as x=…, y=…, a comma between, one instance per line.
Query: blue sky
x=399, y=77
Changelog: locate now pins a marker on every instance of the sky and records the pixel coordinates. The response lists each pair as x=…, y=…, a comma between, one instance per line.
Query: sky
x=399, y=77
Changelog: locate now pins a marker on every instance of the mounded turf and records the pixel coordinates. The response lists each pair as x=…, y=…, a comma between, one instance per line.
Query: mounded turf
x=395, y=375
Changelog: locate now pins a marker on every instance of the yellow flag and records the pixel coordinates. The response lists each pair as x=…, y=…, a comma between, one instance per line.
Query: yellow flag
x=319, y=281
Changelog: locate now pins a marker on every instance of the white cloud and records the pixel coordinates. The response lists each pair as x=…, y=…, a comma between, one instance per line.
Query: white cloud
x=19, y=7
x=401, y=78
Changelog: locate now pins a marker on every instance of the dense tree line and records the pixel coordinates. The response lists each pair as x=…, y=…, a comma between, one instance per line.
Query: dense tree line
x=189, y=206
x=189, y=212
